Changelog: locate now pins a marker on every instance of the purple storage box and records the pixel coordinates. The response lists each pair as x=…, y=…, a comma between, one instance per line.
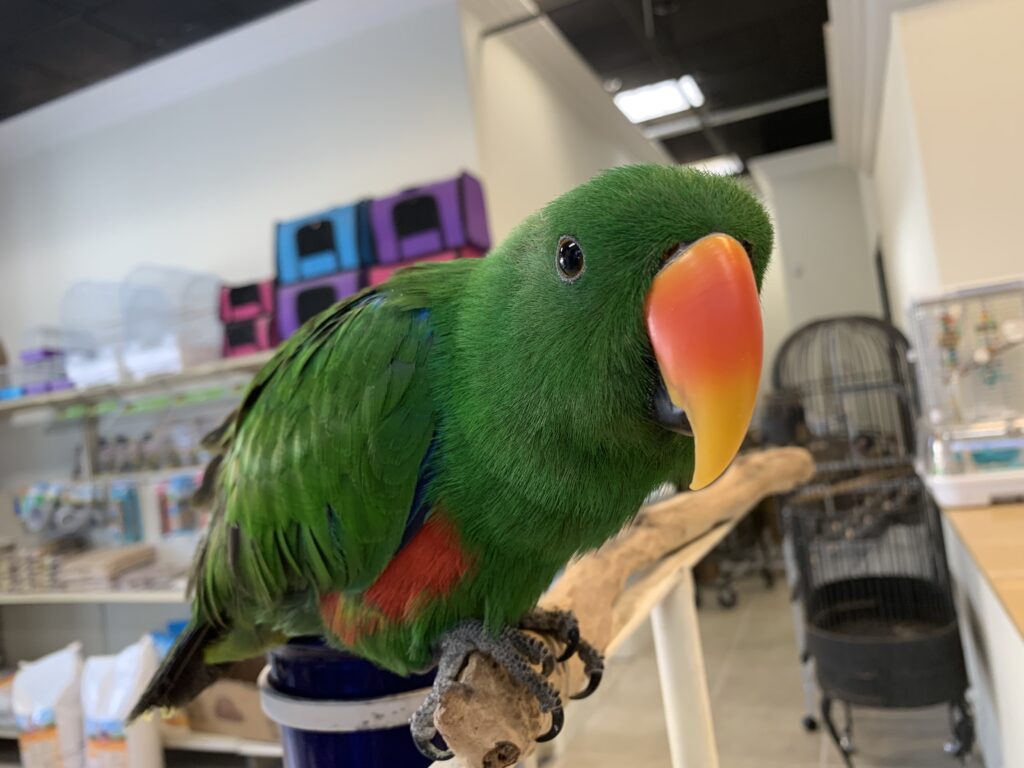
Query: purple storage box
x=246, y=337
x=298, y=302
x=244, y=302
x=425, y=220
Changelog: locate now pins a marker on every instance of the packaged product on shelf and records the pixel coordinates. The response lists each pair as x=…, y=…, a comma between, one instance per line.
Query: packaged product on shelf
x=110, y=687
x=100, y=568
x=177, y=512
x=7, y=698
x=231, y=706
x=48, y=710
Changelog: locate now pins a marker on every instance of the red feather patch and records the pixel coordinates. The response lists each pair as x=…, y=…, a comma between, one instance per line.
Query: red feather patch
x=430, y=565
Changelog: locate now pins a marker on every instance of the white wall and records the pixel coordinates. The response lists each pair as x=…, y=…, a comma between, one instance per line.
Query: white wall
x=823, y=262
x=198, y=181
x=950, y=159
x=544, y=123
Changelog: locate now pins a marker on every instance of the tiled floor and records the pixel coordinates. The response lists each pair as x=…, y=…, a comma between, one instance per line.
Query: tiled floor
x=757, y=700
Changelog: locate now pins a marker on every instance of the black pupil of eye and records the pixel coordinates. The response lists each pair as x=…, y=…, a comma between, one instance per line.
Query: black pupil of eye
x=570, y=258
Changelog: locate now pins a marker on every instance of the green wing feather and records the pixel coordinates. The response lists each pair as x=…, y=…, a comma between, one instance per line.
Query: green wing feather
x=320, y=464
x=311, y=487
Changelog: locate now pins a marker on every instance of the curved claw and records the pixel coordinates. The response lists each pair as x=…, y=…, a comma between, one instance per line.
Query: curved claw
x=547, y=665
x=572, y=642
x=557, y=721
x=592, y=684
x=431, y=751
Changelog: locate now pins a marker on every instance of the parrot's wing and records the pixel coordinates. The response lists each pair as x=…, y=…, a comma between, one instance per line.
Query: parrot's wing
x=317, y=483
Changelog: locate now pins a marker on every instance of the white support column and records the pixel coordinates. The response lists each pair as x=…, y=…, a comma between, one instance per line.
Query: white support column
x=684, y=684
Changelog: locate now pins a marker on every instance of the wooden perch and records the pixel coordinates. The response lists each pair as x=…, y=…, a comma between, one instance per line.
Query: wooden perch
x=490, y=721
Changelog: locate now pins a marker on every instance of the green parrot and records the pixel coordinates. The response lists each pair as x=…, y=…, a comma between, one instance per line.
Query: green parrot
x=410, y=471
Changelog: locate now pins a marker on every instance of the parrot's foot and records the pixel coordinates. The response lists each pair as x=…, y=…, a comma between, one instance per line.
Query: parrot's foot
x=563, y=627
x=515, y=652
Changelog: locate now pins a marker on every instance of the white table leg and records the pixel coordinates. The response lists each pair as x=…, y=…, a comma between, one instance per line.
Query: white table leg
x=684, y=684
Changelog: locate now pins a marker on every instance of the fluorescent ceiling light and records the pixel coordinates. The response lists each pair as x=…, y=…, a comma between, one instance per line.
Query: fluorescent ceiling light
x=694, y=95
x=649, y=102
x=667, y=97
x=720, y=165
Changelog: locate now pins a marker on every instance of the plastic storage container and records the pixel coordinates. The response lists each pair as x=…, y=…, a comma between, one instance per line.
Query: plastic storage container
x=970, y=347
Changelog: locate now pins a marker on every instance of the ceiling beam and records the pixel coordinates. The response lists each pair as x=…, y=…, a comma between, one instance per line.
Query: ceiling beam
x=692, y=123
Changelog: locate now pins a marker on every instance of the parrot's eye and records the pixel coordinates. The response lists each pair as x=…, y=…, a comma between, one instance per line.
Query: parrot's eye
x=569, y=259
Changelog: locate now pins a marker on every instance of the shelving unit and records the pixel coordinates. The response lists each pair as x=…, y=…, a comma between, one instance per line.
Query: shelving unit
x=202, y=742
x=147, y=597
x=93, y=396
x=88, y=406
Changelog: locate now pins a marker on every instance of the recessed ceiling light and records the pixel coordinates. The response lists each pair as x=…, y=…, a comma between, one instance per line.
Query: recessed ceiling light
x=649, y=102
x=694, y=95
x=667, y=97
x=720, y=165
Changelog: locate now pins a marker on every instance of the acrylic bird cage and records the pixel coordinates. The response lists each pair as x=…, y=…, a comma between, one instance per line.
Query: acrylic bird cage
x=90, y=321
x=970, y=347
x=170, y=320
x=864, y=544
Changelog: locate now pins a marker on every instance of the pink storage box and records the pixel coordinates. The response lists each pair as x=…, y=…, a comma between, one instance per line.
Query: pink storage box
x=244, y=302
x=377, y=275
x=246, y=337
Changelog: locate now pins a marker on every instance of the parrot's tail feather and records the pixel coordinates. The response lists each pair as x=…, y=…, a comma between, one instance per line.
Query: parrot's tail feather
x=183, y=674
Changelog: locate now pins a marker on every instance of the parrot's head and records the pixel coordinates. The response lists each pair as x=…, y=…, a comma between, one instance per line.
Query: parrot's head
x=634, y=301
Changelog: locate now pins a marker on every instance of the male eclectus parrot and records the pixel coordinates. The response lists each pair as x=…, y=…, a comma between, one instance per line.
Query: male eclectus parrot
x=410, y=471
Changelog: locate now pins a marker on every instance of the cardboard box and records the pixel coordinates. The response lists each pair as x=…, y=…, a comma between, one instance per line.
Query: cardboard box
x=231, y=707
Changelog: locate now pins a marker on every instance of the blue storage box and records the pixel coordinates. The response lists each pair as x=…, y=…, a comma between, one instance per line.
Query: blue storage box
x=323, y=243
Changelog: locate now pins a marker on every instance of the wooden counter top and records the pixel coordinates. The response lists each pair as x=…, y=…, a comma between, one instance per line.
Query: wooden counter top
x=994, y=536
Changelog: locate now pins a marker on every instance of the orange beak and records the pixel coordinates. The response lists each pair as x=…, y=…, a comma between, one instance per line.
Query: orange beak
x=704, y=322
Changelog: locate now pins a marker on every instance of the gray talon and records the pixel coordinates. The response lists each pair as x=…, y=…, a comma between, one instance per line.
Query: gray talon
x=561, y=625
x=593, y=666
x=512, y=650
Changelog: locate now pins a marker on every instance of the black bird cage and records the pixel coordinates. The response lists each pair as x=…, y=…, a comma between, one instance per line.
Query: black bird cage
x=870, y=570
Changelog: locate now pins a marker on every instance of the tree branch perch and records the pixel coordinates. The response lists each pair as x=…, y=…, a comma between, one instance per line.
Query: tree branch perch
x=490, y=721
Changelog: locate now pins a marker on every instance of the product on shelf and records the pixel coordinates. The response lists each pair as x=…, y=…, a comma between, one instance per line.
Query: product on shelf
x=246, y=337
x=7, y=698
x=324, y=243
x=178, y=513
x=47, y=708
x=245, y=302
x=99, y=569
x=42, y=370
x=90, y=326
x=298, y=302
x=231, y=706
x=153, y=577
x=378, y=274
x=110, y=686
x=429, y=219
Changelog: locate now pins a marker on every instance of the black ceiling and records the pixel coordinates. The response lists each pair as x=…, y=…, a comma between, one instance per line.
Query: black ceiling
x=49, y=48
x=741, y=52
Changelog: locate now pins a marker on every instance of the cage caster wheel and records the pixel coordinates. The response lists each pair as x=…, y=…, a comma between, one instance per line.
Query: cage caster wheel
x=809, y=723
x=727, y=598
